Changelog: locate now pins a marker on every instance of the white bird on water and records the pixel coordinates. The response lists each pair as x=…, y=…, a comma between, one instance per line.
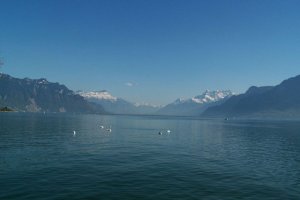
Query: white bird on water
x=74, y=133
x=102, y=127
x=108, y=129
x=168, y=131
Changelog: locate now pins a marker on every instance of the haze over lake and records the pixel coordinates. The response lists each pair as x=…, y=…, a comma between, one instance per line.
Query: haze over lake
x=40, y=158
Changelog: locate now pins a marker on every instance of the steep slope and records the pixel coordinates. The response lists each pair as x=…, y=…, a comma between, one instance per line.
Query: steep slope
x=39, y=95
x=196, y=105
x=282, y=100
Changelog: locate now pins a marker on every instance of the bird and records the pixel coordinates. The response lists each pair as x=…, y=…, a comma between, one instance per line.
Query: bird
x=159, y=133
x=74, y=133
x=102, y=127
x=108, y=129
x=168, y=131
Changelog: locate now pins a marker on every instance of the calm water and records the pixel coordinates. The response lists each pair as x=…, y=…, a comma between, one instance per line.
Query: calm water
x=40, y=158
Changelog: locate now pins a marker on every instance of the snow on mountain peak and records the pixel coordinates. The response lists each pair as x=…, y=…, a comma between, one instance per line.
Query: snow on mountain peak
x=179, y=101
x=207, y=97
x=102, y=95
x=42, y=81
x=212, y=96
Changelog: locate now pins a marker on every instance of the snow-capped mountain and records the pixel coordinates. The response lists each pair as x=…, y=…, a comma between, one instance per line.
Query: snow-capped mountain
x=99, y=95
x=117, y=105
x=206, y=97
x=281, y=101
x=196, y=105
x=40, y=95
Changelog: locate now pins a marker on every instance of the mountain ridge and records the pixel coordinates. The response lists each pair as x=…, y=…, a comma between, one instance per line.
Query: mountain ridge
x=282, y=100
x=117, y=105
x=196, y=105
x=40, y=95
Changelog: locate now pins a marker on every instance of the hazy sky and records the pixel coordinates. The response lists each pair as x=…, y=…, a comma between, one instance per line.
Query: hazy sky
x=152, y=51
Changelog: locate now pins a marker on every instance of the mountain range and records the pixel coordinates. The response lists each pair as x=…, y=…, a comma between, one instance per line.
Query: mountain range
x=196, y=105
x=39, y=95
x=280, y=101
x=117, y=105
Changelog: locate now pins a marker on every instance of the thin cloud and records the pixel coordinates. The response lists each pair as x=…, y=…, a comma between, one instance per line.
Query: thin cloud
x=130, y=84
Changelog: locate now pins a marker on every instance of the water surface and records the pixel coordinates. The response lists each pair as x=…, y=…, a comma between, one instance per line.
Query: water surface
x=40, y=158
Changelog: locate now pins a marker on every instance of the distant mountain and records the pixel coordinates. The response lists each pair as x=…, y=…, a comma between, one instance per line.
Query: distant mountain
x=39, y=95
x=281, y=101
x=117, y=105
x=196, y=105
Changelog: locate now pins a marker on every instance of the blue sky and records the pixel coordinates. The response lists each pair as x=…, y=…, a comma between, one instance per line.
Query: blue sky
x=151, y=51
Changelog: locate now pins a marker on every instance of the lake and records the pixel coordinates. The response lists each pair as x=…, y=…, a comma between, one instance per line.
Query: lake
x=41, y=158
